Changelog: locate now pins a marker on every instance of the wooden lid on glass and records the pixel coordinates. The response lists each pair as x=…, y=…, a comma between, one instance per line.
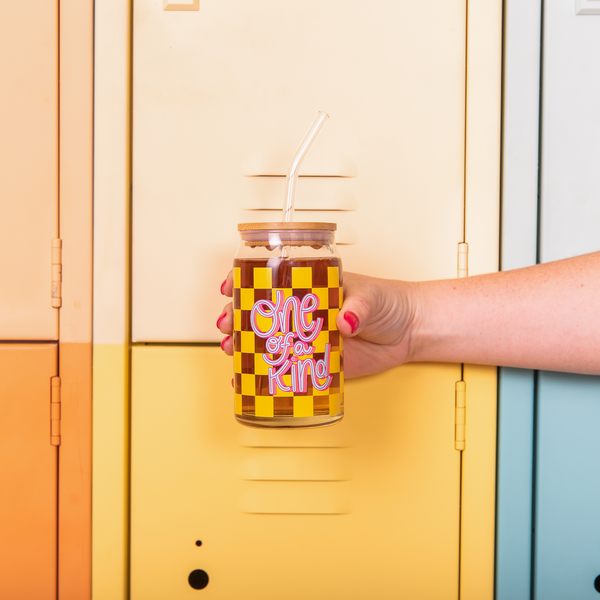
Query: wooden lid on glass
x=286, y=226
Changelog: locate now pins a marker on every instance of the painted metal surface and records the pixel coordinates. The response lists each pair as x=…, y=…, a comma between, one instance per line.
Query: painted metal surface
x=515, y=484
x=28, y=168
x=520, y=133
x=570, y=189
x=216, y=113
x=567, y=555
x=110, y=493
x=75, y=334
x=520, y=141
x=293, y=513
x=567, y=527
x=28, y=472
x=110, y=318
x=76, y=148
x=482, y=203
x=478, y=485
x=483, y=117
x=75, y=468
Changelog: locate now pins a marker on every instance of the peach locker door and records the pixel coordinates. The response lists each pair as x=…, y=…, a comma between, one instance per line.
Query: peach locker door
x=28, y=473
x=28, y=168
x=222, y=96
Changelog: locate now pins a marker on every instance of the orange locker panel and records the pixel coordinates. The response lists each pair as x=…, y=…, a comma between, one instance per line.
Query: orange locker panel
x=28, y=168
x=28, y=473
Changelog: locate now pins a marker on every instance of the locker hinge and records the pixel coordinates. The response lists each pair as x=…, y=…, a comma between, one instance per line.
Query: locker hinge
x=56, y=273
x=55, y=411
x=463, y=260
x=460, y=392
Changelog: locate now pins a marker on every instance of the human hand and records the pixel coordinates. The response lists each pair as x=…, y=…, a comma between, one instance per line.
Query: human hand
x=376, y=320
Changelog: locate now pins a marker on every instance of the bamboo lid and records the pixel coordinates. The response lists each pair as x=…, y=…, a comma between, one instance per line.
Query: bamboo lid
x=287, y=226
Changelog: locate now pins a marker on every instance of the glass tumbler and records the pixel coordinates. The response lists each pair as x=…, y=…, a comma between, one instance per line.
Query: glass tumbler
x=288, y=352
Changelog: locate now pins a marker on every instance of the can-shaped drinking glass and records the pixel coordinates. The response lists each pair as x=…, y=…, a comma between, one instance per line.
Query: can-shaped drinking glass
x=288, y=352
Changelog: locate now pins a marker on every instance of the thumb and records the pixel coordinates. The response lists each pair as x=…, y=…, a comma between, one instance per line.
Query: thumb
x=353, y=316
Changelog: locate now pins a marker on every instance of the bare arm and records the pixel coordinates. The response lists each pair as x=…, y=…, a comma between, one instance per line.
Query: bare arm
x=543, y=317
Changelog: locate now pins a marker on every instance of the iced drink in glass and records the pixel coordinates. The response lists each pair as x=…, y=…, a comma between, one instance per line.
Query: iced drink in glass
x=288, y=352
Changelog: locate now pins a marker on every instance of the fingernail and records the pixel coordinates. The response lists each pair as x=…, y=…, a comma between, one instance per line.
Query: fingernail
x=222, y=286
x=220, y=319
x=223, y=342
x=232, y=384
x=352, y=320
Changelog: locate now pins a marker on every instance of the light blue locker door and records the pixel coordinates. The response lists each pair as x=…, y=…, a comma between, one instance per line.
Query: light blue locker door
x=567, y=471
x=567, y=540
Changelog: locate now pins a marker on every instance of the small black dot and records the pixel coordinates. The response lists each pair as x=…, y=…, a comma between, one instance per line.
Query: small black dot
x=198, y=543
x=597, y=584
x=198, y=579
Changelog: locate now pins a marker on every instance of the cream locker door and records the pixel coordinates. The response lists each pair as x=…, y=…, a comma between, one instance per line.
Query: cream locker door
x=222, y=97
x=28, y=168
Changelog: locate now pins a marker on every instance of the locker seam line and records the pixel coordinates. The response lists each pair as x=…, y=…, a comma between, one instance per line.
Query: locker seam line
x=464, y=240
x=58, y=199
x=538, y=240
x=129, y=263
x=533, y=481
x=465, y=152
x=536, y=374
x=500, y=267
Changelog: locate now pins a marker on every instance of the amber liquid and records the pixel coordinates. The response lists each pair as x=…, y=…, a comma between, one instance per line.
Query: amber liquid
x=281, y=273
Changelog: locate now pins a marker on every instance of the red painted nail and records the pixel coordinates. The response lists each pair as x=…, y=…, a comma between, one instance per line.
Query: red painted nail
x=222, y=286
x=220, y=319
x=232, y=384
x=352, y=320
x=223, y=342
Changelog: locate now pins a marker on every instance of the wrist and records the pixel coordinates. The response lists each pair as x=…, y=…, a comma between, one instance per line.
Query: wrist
x=433, y=322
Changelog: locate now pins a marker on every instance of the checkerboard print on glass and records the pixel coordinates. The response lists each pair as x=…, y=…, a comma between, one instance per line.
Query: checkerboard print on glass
x=288, y=352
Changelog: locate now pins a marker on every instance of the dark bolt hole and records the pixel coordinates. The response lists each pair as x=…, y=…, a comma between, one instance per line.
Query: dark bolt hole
x=597, y=584
x=198, y=543
x=198, y=579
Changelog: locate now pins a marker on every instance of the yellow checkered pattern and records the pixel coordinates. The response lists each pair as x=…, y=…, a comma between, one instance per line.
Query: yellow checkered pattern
x=250, y=370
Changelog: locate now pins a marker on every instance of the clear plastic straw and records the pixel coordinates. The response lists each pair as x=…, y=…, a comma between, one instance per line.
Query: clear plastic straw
x=292, y=176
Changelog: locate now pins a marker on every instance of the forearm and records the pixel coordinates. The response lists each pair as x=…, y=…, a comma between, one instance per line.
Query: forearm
x=542, y=317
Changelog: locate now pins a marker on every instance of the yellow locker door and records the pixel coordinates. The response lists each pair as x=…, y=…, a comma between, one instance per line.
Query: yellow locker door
x=368, y=508
x=28, y=473
x=28, y=168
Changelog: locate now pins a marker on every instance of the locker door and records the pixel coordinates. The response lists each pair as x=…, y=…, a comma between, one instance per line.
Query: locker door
x=221, y=97
x=28, y=168
x=567, y=527
x=365, y=509
x=28, y=472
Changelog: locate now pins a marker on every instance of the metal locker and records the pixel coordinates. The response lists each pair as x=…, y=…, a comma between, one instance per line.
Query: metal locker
x=547, y=526
x=29, y=470
x=46, y=160
x=567, y=527
x=360, y=509
x=29, y=271
x=408, y=167
x=521, y=101
x=221, y=98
